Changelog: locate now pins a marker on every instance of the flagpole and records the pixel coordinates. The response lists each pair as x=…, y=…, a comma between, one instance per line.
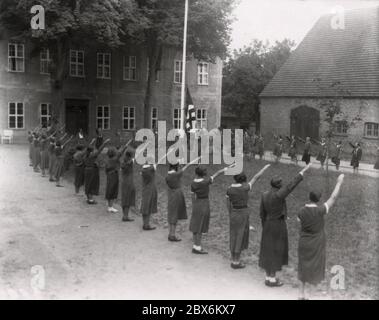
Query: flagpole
x=182, y=101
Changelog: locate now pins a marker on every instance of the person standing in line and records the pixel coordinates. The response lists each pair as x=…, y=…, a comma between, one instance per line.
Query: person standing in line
x=312, y=241
x=30, y=140
x=337, y=157
x=322, y=154
x=273, y=253
x=278, y=149
x=36, y=153
x=44, y=154
x=356, y=156
x=237, y=203
x=307, y=151
x=128, y=190
x=200, y=218
x=112, y=168
x=260, y=146
x=292, y=153
x=91, y=172
x=176, y=204
x=376, y=166
x=79, y=157
x=59, y=160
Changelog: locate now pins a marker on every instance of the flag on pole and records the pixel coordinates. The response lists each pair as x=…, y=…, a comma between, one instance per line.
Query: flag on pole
x=190, y=113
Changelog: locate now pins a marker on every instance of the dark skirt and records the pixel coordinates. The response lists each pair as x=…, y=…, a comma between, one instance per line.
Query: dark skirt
x=36, y=156
x=336, y=161
x=31, y=150
x=311, y=254
x=128, y=192
x=306, y=157
x=376, y=166
x=91, y=180
x=354, y=163
x=59, y=167
x=111, y=190
x=176, y=206
x=292, y=153
x=79, y=176
x=52, y=159
x=321, y=157
x=239, y=230
x=200, y=216
x=274, y=246
x=44, y=159
x=149, y=202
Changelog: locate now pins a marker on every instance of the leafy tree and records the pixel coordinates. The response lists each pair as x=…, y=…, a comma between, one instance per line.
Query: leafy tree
x=208, y=32
x=246, y=74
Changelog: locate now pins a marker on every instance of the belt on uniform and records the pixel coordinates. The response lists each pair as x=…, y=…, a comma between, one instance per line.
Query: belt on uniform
x=239, y=207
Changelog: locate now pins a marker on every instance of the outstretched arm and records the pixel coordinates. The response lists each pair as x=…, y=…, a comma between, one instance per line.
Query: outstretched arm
x=123, y=149
x=191, y=163
x=222, y=171
x=286, y=190
x=257, y=176
x=335, y=193
x=67, y=142
x=103, y=146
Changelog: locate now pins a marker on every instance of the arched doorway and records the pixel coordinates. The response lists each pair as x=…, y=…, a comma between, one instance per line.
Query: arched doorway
x=305, y=122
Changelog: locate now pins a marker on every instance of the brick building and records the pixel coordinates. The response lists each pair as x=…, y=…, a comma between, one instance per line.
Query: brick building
x=103, y=89
x=349, y=57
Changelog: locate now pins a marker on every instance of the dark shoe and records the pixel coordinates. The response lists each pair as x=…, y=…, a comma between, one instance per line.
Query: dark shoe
x=174, y=239
x=148, y=228
x=59, y=186
x=51, y=180
x=91, y=202
x=277, y=283
x=199, y=251
x=237, y=265
x=127, y=220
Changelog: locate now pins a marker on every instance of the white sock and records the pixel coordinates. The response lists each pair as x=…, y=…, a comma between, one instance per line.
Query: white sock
x=198, y=248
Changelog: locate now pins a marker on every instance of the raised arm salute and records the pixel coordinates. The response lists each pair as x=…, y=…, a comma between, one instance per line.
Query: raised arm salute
x=312, y=240
x=237, y=202
x=273, y=211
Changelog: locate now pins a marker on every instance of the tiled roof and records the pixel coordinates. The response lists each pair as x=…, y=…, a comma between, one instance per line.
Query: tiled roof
x=349, y=57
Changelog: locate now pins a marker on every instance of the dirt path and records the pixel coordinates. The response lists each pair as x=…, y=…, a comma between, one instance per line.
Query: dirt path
x=87, y=253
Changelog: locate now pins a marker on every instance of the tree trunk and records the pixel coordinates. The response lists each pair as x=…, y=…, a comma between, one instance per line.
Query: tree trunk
x=153, y=54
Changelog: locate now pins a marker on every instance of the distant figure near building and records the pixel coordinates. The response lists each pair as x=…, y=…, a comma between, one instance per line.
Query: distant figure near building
x=336, y=159
x=376, y=166
x=307, y=151
x=356, y=156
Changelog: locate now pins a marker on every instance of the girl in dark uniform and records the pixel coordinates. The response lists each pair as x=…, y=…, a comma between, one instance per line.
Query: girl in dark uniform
x=128, y=190
x=307, y=151
x=36, y=152
x=278, y=150
x=50, y=149
x=292, y=153
x=176, y=204
x=321, y=156
x=30, y=140
x=312, y=241
x=376, y=166
x=237, y=204
x=112, y=168
x=337, y=157
x=260, y=146
x=356, y=156
x=199, y=223
x=59, y=160
x=149, y=200
x=91, y=172
x=44, y=142
x=79, y=157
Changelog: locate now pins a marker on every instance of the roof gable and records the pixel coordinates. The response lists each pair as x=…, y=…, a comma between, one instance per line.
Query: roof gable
x=349, y=57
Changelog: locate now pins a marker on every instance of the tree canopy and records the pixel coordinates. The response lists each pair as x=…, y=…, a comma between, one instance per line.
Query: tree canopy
x=248, y=71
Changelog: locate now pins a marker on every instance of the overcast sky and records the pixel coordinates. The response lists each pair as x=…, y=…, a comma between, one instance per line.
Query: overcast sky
x=280, y=19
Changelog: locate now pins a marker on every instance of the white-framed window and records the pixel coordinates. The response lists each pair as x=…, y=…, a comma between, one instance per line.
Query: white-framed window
x=203, y=74
x=76, y=63
x=103, y=65
x=176, y=118
x=16, y=57
x=371, y=130
x=341, y=127
x=129, y=118
x=157, y=72
x=201, y=118
x=178, y=71
x=45, y=113
x=130, y=68
x=45, y=60
x=103, y=117
x=154, y=118
x=16, y=115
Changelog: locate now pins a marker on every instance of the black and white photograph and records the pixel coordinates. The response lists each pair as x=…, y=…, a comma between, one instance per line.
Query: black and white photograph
x=189, y=150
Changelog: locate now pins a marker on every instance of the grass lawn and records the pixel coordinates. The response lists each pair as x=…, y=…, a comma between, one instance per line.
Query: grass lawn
x=351, y=226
